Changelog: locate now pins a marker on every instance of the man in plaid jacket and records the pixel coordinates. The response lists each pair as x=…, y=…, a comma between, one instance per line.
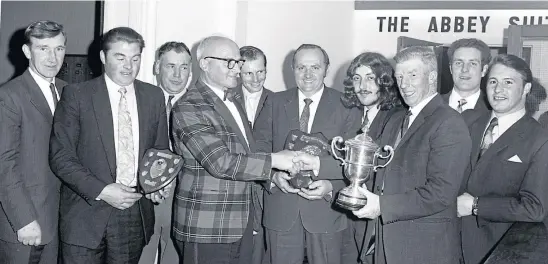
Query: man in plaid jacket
x=213, y=197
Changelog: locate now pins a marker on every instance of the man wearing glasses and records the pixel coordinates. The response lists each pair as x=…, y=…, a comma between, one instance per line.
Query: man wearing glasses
x=213, y=217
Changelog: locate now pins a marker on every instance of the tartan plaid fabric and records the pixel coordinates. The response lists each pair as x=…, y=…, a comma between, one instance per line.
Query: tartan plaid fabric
x=213, y=196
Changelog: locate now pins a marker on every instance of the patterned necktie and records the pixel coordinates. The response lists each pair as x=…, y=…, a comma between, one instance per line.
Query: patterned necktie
x=365, y=123
x=305, y=115
x=54, y=94
x=462, y=102
x=488, y=136
x=169, y=105
x=125, y=156
x=405, y=124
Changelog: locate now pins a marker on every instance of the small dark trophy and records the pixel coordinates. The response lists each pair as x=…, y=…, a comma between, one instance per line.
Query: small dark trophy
x=157, y=169
x=314, y=144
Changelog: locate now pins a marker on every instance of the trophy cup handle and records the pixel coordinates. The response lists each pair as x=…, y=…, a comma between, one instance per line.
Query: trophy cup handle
x=334, y=147
x=389, y=156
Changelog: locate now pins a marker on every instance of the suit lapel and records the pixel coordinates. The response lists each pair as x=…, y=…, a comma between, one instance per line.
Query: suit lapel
x=377, y=124
x=476, y=133
x=36, y=96
x=142, y=114
x=221, y=108
x=264, y=95
x=427, y=111
x=292, y=111
x=514, y=134
x=103, y=116
x=323, y=112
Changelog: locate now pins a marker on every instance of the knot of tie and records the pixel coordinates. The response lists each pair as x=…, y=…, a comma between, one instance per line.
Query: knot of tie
x=307, y=101
x=462, y=102
x=122, y=91
x=228, y=95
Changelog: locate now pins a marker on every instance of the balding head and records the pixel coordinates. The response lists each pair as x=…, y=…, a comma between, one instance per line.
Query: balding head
x=219, y=60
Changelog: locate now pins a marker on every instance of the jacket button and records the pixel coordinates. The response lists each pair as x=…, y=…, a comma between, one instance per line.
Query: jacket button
x=378, y=188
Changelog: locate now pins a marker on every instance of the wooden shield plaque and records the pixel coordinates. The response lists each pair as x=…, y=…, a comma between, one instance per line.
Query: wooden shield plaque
x=315, y=144
x=157, y=169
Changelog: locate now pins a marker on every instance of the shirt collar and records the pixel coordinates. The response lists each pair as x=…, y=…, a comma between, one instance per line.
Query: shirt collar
x=371, y=112
x=506, y=121
x=415, y=110
x=39, y=80
x=315, y=97
x=175, y=96
x=252, y=96
x=114, y=88
x=470, y=100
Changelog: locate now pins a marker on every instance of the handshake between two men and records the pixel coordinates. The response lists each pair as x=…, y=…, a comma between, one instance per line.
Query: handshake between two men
x=289, y=164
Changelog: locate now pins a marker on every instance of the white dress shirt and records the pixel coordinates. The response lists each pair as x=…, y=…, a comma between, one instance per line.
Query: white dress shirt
x=471, y=100
x=251, y=103
x=175, y=97
x=231, y=107
x=415, y=110
x=371, y=114
x=505, y=122
x=313, y=106
x=114, y=98
x=44, y=87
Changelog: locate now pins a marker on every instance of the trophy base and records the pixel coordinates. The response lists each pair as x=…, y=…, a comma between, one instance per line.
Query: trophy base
x=349, y=202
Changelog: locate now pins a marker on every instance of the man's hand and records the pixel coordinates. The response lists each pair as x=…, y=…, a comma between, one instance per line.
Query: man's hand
x=281, y=179
x=316, y=190
x=464, y=204
x=159, y=196
x=372, y=209
x=283, y=160
x=305, y=161
x=30, y=235
x=119, y=196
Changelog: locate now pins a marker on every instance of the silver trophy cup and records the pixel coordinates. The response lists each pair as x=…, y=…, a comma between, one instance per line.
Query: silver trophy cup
x=361, y=153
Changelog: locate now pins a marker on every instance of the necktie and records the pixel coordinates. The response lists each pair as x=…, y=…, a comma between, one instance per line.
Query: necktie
x=169, y=105
x=405, y=124
x=228, y=95
x=305, y=115
x=365, y=123
x=125, y=156
x=488, y=136
x=462, y=102
x=54, y=94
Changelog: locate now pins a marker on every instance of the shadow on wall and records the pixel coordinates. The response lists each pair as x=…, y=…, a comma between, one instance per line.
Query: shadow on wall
x=340, y=75
x=287, y=71
x=15, y=54
x=534, y=99
x=94, y=60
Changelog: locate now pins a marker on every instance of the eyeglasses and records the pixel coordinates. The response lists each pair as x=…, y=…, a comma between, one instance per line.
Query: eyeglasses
x=230, y=62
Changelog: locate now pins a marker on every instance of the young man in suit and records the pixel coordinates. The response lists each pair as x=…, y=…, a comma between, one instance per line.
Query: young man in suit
x=101, y=130
x=252, y=97
x=507, y=182
x=173, y=70
x=296, y=219
x=29, y=191
x=213, y=211
x=371, y=87
x=468, y=61
x=414, y=196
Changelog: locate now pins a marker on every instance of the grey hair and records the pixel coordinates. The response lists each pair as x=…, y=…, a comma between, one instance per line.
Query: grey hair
x=424, y=54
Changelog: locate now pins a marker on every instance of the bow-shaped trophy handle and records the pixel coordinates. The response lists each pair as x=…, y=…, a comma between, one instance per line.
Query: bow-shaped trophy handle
x=334, y=147
x=389, y=156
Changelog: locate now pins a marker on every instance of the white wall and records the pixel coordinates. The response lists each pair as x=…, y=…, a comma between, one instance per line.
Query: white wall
x=277, y=27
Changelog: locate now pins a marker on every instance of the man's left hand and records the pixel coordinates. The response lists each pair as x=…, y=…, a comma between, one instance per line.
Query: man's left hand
x=316, y=190
x=372, y=209
x=464, y=204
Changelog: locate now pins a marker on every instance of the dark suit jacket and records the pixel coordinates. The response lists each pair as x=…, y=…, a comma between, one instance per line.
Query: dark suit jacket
x=418, y=222
x=481, y=106
x=83, y=156
x=28, y=189
x=213, y=196
x=281, y=115
x=240, y=99
x=508, y=191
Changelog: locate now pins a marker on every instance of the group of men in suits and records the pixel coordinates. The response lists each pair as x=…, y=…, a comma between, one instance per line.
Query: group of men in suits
x=68, y=164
